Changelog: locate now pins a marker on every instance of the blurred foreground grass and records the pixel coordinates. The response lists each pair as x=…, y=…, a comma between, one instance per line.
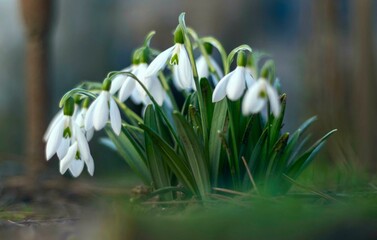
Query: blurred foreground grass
x=326, y=203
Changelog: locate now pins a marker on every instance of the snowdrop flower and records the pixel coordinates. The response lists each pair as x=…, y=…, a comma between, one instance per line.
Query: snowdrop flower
x=155, y=88
x=120, y=79
x=80, y=120
x=129, y=87
x=203, y=67
x=183, y=76
x=56, y=119
x=68, y=141
x=103, y=108
x=126, y=84
x=256, y=97
x=234, y=83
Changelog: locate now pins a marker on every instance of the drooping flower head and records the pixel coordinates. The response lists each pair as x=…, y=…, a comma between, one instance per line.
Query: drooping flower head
x=183, y=76
x=129, y=88
x=204, y=68
x=68, y=141
x=233, y=84
x=103, y=109
x=256, y=98
x=80, y=120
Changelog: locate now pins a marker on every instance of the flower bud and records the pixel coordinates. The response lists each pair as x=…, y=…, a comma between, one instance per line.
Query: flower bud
x=135, y=58
x=241, y=59
x=178, y=35
x=86, y=102
x=208, y=47
x=106, y=84
x=144, y=57
x=69, y=106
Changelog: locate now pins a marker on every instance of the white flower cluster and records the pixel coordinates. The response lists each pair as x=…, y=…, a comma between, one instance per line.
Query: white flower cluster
x=68, y=139
x=70, y=131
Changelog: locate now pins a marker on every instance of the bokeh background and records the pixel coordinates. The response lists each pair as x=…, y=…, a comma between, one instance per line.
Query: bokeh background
x=324, y=52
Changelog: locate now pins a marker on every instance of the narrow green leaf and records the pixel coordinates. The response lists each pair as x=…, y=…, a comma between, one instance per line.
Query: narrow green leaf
x=158, y=170
x=127, y=150
x=175, y=162
x=214, y=145
x=208, y=106
x=194, y=154
x=299, y=164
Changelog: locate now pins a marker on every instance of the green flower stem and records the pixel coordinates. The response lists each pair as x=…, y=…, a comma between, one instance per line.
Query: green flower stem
x=227, y=150
x=214, y=42
x=204, y=52
x=129, y=112
x=268, y=140
x=157, y=107
x=190, y=52
x=167, y=88
x=129, y=126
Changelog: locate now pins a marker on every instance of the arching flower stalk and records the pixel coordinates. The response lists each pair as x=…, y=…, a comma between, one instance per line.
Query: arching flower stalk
x=204, y=68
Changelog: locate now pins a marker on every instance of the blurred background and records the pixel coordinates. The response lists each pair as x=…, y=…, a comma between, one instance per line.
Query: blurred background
x=324, y=51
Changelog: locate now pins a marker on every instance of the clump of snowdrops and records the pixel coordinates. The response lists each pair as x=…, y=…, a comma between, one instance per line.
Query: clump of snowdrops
x=227, y=133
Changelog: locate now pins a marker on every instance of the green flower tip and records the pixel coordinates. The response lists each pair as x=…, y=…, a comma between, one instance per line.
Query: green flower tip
x=135, y=58
x=241, y=59
x=208, y=47
x=86, y=102
x=144, y=56
x=69, y=106
x=106, y=84
x=250, y=60
x=77, y=99
x=178, y=35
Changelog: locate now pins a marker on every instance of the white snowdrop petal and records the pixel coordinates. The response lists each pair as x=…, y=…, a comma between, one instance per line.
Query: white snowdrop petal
x=90, y=165
x=202, y=67
x=236, y=85
x=126, y=89
x=220, y=90
x=63, y=148
x=252, y=102
x=274, y=100
x=116, y=121
x=80, y=119
x=54, y=139
x=52, y=124
x=157, y=91
x=217, y=67
x=184, y=69
x=135, y=97
x=70, y=156
x=83, y=145
x=101, y=112
x=76, y=167
x=117, y=82
x=89, y=134
x=176, y=78
x=159, y=62
x=75, y=111
x=249, y=79
x=89, y=115
x=141, y=76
